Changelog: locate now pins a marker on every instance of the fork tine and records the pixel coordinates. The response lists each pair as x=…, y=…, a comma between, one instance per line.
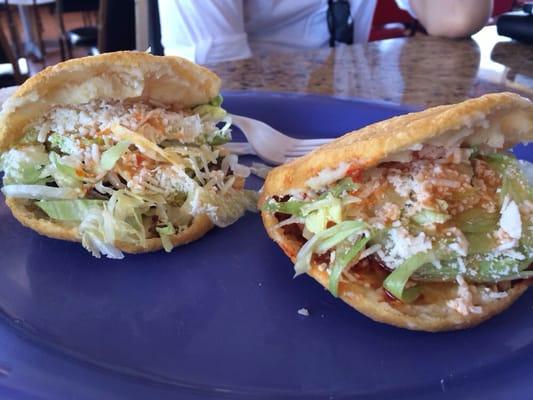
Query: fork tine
x=307, y=146
x=297, y=153
x=313, y=142
x=240, y=148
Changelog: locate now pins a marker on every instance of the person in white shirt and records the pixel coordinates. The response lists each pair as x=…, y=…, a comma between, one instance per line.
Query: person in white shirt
x=209, y=31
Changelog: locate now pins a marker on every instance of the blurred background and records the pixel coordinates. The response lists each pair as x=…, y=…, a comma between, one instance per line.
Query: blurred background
x=39, y=33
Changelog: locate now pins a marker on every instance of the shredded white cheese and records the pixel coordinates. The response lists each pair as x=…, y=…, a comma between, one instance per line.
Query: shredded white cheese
x=304, y=312
x=401, y=245
x=463, y=304
x=510, y=220
x=327, y=176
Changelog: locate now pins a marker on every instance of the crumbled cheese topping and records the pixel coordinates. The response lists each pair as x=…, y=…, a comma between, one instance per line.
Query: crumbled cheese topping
x=327, y=176
x=401, y=245
x=304, y=312
x=488, y=295
x=464, y=303
x=510, y=220
x=87, y=120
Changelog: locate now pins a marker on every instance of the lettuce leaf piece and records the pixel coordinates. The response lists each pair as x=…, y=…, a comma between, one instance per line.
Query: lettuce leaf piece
x=322, y=204
x=343, y=258
x=318, y=213
x=342, y=234
x=119, y=220
x=24, y=165
x=64, y=174
x=292, y=207
x=328, y=200
x=343, y=187
x=98, y=234
x=430, y=217
x=220, y=135
x=39, y=192
x=480, y=268
x=396, y=281
x=326, y=240
x=146, y=146
x=112, y=155
x=210, y=112
x=217, y=101
x=317, y=221
x=515, y=183
x=65, y=144
x=476, y=220
x=69, y=210
x=480, y=242
x=164, y=233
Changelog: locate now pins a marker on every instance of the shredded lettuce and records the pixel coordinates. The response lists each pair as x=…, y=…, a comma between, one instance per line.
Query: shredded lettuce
x=24, y=165
x=119, y=220
x=480, y=268
x=325, y=240
x=292, y=207
x=164, y=233
x=146, y=146
x=480, y=242
x=210, y=112
x=63, y=173
x=69, y=210
x=116, y=205
x=113, y=154
x=343, y=258
x=97, y=230
x=39, y=192
x=430, y=217
x=318, y=213
x=476, y=220
x=343, y=187
x=65, y=144
x=217, y=101
x=515, y=183
x=396, y=281
x=213, y=113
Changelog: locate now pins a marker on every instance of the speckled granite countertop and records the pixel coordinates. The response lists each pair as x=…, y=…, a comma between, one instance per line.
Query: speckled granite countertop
x=420, y=70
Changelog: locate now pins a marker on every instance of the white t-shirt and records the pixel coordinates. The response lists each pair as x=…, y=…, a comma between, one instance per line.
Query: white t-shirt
x=208, y=31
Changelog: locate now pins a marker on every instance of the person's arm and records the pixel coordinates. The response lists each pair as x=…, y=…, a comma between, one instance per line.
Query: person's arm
x=452, y=18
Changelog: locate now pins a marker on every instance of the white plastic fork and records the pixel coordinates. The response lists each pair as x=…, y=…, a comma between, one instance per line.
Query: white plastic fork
x=269, y=144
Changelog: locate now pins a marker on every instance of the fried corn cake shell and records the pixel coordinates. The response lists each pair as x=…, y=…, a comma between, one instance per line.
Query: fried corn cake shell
x=509, y=113
x=171, y=81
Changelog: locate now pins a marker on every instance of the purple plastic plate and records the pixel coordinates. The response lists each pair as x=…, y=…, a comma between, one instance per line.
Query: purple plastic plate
x=218, y=318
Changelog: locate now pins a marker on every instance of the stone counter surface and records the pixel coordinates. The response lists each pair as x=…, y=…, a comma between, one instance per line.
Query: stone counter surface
x=421, y=70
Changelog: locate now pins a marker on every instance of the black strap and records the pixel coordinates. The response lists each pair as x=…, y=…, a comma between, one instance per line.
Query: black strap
x=340, y=22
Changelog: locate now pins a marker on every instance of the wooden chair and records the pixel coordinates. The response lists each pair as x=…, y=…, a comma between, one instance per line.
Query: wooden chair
x=13, y=71
x=84, y=36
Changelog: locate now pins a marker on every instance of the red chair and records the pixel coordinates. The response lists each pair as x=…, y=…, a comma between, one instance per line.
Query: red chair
x=502, y=6
x=390, y=21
